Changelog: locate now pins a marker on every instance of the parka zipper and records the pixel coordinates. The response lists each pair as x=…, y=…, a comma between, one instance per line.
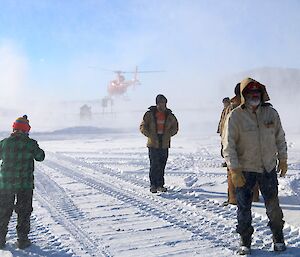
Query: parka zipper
x=259, y=136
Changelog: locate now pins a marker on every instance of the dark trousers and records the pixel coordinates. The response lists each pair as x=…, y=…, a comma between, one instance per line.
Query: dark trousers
x=231, y=196
x=158, y=160
x=23, y=208
x=268, y=185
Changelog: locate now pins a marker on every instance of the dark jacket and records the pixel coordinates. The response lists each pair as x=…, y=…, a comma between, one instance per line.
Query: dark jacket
x=18, y=153
x=149, y=129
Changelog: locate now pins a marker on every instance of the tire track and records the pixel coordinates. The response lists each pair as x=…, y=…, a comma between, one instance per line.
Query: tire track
x=132, y=178
x=63, y=210
x=188, y=204
x=198, y=221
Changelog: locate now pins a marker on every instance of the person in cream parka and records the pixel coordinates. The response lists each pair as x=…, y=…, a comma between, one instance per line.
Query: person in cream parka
x=254, y=149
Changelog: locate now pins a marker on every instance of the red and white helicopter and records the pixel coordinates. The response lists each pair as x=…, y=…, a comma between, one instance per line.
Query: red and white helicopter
x=119, y=85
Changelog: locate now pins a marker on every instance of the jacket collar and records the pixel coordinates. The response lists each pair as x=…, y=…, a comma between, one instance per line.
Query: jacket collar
x=153, y=108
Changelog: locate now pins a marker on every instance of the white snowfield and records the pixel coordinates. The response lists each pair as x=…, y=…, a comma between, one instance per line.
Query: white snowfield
x=92, y=198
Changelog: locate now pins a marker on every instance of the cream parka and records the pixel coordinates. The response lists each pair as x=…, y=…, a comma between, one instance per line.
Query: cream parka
x=149, y=129
x=253, y=141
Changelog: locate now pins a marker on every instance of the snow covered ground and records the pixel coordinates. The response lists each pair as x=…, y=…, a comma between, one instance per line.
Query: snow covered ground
x=92, y=198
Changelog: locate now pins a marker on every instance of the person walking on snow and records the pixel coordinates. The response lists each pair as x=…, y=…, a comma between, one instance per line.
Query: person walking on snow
x=254, y=141
x=231, y=197
x=17, y=153
x=159, y=125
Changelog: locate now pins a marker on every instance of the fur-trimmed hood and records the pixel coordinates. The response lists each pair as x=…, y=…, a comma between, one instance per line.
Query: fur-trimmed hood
x=245, y=82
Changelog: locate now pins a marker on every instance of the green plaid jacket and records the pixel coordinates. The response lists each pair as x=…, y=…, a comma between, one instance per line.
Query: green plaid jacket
x=18, y=153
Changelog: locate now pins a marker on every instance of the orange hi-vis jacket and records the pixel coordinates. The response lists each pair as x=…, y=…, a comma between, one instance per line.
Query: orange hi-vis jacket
x=160, y=122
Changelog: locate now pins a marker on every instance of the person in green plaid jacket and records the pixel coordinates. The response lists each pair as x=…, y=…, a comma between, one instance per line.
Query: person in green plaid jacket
x=17, y=153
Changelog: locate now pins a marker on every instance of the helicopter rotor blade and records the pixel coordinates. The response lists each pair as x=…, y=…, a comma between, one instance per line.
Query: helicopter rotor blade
x=123, y=72
x=148, y=71
x=151, y=71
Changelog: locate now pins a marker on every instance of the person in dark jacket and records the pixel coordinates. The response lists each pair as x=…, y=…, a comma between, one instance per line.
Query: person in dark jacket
x=159, y=125
x=17, y=153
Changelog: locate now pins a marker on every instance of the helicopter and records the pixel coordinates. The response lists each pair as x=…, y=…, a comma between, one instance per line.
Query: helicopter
x=119, y=85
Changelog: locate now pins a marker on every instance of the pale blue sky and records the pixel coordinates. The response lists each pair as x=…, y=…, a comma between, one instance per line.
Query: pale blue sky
x=48, y=46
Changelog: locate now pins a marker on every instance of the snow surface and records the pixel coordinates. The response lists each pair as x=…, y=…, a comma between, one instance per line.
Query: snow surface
x=92, y=198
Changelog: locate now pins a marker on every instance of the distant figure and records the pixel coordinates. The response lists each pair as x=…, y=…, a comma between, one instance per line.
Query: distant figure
x=159, y=125
x=104, y=103
x=254, y=142
x=17, y=153
x=85, y=112
x=226, y=103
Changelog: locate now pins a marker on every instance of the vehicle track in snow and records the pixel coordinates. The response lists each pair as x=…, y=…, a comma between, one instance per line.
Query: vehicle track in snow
x=62, y=209
x=183, y=216
x=192, y=211
x=295, y=184
x=142, y=207
x=200, y=159
x=113, y=164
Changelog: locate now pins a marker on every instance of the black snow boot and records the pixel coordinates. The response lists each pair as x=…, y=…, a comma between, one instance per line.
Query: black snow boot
x=162, y=189
x=153, y=189
x=278, y=240
x=244, y=250
x=245, y=245
x=279, y=247
x=226, y=203
x=23, y=243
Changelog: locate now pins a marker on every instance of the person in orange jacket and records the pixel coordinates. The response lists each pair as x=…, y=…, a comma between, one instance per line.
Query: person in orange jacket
x=159, y=124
